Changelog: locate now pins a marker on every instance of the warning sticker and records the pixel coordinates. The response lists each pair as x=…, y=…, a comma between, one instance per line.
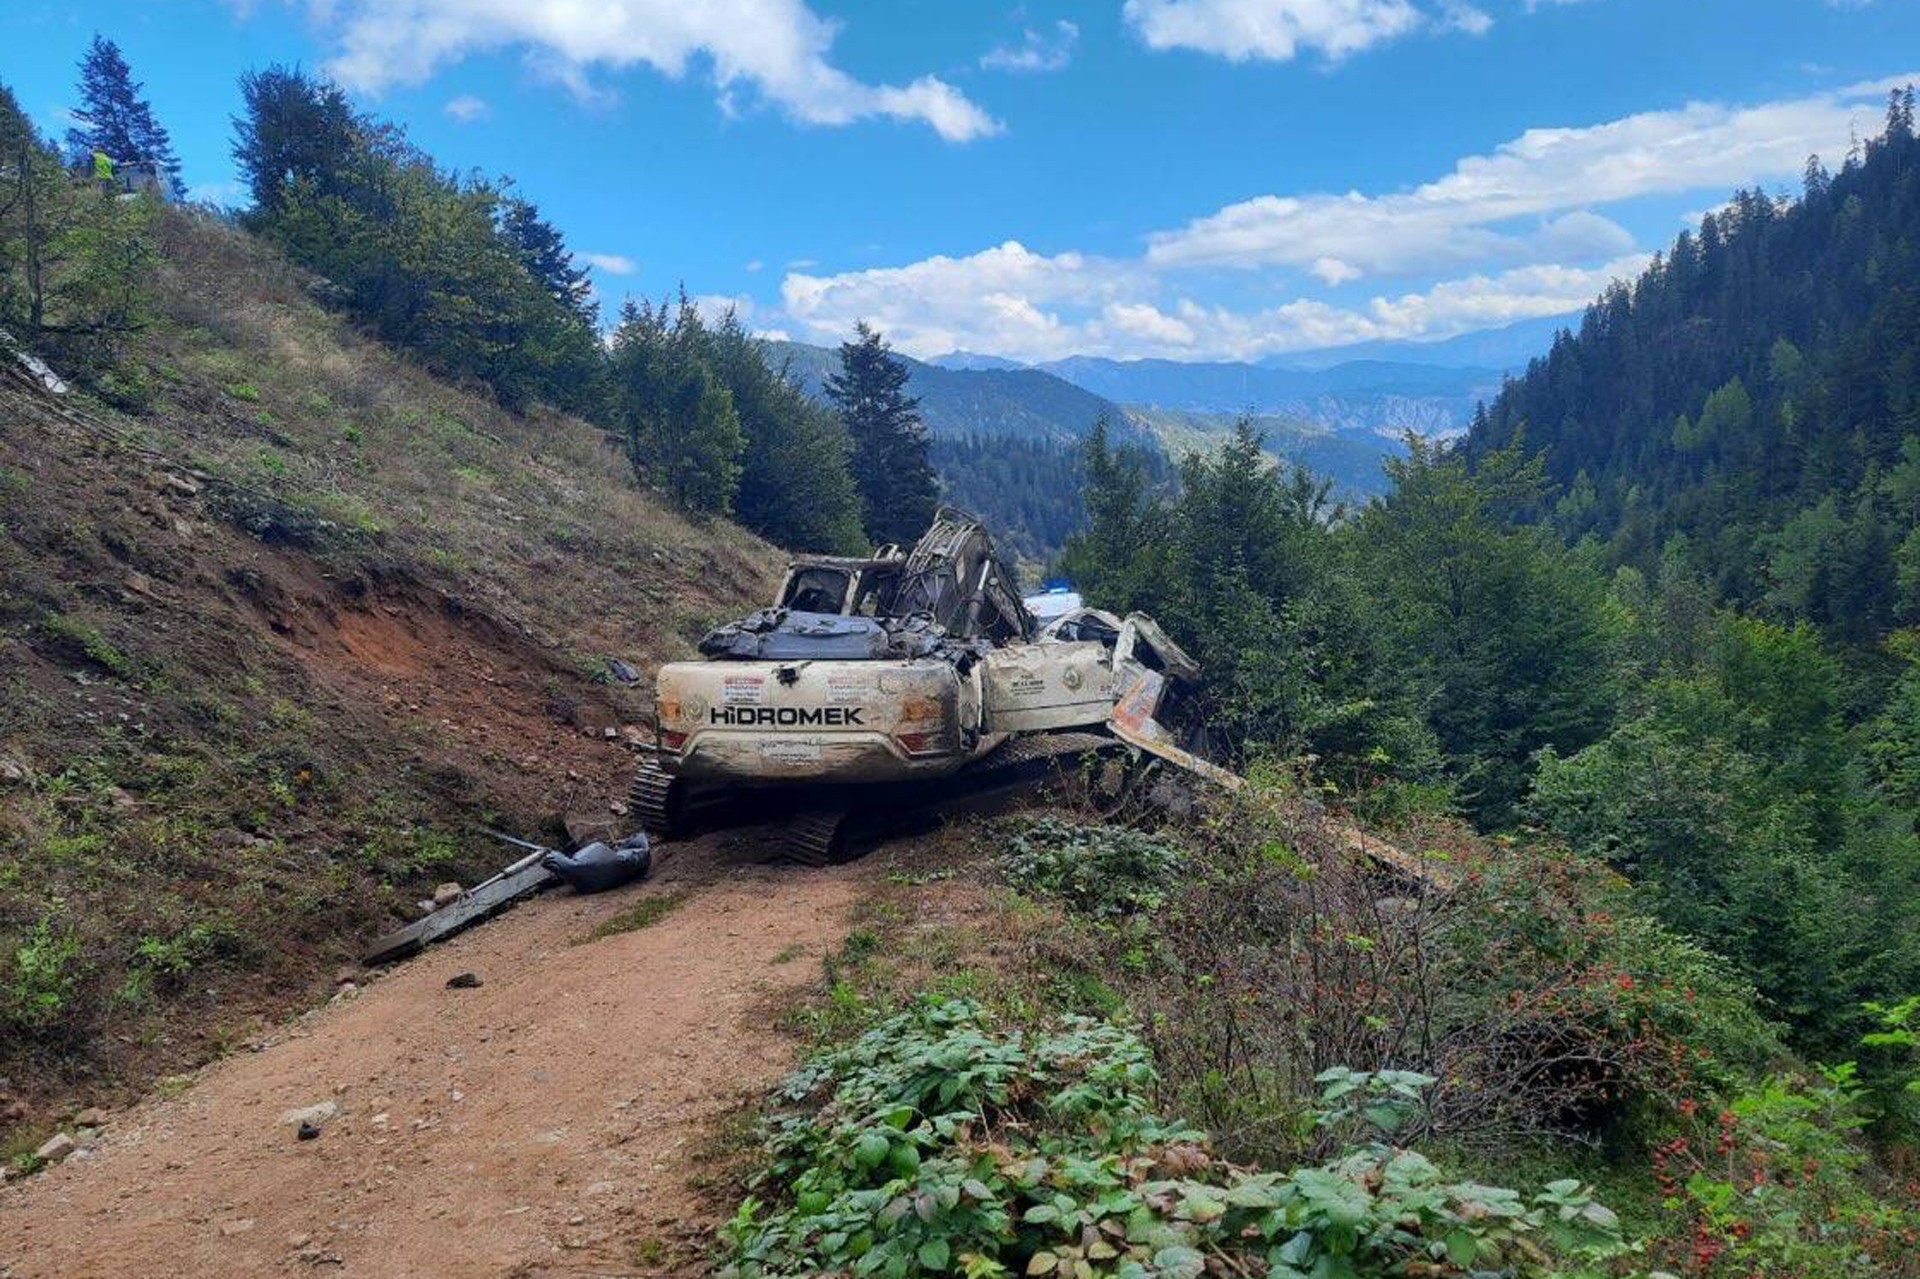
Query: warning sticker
x=790, y=752
x=848, y=688
x=1026, y=684
x=743, y=690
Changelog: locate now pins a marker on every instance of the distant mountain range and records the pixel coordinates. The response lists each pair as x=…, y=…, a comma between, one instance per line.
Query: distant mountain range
x=1022, y=403
x=1339, y=413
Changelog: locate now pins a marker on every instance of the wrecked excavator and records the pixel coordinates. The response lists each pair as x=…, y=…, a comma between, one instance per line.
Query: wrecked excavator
x=877, y=690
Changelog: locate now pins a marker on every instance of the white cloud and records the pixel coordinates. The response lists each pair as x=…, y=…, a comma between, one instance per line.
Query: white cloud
x=1514, y=234
x=467, y=108
x=775, y=49
x=1012, y=301
x=713, y=307
x=1272, y=30
x=754, y=266
x=1548, y=173
x=611, y=263
x=1461, y=16
x=1036, y=51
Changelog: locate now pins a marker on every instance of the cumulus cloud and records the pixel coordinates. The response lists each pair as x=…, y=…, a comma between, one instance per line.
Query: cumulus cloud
x=1036, y=51
x=611, y=263
x=1466, y=215
x=1514, y=234
x=1012, y=301
x=775, y=49
x=1271, y=30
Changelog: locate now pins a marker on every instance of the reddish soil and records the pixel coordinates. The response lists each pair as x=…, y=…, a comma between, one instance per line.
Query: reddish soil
x=547, y=1123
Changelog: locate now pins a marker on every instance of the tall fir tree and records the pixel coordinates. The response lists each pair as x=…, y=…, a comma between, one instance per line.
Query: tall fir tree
x=546, y=255
x=114, y=120
x=891, y=467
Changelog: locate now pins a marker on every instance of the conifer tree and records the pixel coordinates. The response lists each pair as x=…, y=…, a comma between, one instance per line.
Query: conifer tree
x=114, y=120
x=546, y=255
x=896, y=480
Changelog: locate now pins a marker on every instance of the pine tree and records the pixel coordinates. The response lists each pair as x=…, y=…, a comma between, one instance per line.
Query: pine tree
x=545, y=252
x=296, y=130
x=890, y=461
x=682, y=432
x=115, y=120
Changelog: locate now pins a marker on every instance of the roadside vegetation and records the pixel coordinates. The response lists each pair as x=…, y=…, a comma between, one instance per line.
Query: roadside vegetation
x=1288, y=1060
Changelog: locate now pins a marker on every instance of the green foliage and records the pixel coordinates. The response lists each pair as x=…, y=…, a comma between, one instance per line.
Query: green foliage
x=1774, y=350
x=1509, y=640
x=1775, y=1183
x=452, y=268
x=1102, y=871
x=1730, y=798
x=683, y=434
x=75, y=260
x=898, y=490
x=39, y=975
x=114, y=121
x=939, y=1143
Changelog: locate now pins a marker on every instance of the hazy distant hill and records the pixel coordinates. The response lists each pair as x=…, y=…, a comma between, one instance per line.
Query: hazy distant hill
x=1506, y=349
x=1379, y=396
x=1027, y=404
x=1351, y=459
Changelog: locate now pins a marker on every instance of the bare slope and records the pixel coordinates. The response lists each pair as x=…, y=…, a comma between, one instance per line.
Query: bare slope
x=273, y=634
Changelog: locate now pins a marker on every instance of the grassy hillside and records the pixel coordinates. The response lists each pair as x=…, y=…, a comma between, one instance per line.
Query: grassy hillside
x=276, y=627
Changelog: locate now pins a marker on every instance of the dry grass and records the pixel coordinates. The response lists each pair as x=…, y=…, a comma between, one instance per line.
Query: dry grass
x=258, y=712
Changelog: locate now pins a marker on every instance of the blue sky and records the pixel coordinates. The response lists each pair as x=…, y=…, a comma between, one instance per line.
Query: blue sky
x=1196, y=179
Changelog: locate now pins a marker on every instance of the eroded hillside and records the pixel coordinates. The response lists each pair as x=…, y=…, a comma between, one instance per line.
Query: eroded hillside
x=278, y=625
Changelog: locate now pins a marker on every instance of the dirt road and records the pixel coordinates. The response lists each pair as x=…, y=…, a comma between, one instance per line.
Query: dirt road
x=542, y=1124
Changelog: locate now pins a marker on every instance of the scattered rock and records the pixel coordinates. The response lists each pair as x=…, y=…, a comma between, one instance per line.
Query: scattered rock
x=346, y=976
x=319, y=1112
x=182, y=485
x=463, y=981
x=622, y=671
x=91, y=1117
x=586, y=828
x=240, y=1227
x=307, y=1131
x=139, y=584
x=56, y=1148
x=424, y=906
x=610, y=733
x=122, y=800
x=446, y=895
x=617, y=807
x=14, y=770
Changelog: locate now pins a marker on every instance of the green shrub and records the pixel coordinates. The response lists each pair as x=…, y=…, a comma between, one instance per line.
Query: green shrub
x=939, y=1143
x=1103, y=871
x=40, y=978
x=1775, y=1183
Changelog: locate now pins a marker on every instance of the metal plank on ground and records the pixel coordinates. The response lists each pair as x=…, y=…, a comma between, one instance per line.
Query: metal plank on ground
x=469, y=908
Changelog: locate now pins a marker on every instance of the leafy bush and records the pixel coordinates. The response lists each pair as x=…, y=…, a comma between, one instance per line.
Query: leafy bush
x=1774, y=1183
x=939, y=1143
x=1103, y=871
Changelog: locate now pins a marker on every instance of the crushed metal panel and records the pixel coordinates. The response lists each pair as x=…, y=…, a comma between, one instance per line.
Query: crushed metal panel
x=1035, y=687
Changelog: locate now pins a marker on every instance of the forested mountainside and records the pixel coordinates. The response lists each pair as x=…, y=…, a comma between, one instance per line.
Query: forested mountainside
x=1750, y=406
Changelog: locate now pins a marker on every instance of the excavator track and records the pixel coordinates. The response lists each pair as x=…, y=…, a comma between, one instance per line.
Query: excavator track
x=816, y=837
x=659, y=800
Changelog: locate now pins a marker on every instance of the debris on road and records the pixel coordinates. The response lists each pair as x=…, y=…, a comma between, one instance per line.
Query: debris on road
x=464, y=981
x=599, y=866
